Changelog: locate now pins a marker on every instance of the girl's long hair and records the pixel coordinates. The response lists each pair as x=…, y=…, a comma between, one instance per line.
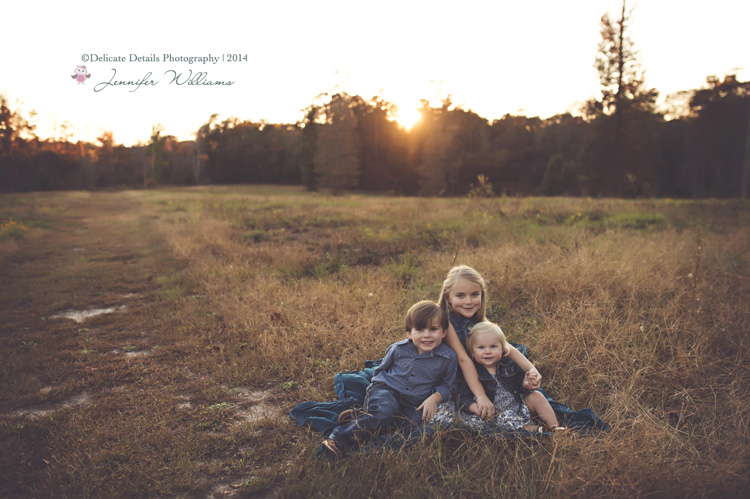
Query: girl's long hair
x=456, y=274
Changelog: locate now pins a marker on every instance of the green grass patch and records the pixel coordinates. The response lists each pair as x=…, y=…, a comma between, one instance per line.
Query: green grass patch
x=256, y=236
x=172, y=285
x=638, y=221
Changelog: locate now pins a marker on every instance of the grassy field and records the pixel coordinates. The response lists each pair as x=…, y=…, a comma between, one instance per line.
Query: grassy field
x=206, y=314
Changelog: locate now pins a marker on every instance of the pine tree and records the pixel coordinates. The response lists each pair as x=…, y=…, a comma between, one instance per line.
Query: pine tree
x=620, y=74
x=622, y=157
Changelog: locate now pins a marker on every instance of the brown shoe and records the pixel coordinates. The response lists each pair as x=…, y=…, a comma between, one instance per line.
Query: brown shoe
x=332, y=448
x=347, y=416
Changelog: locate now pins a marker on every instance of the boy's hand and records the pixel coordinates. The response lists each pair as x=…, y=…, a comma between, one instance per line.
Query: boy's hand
x=428, y=408
x=532, y=380
x=485, y=407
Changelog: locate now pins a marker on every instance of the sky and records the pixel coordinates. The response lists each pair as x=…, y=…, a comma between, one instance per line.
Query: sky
x=493, y=57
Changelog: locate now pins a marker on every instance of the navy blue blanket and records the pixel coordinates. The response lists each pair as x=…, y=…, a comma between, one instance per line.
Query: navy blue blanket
x=350, y=387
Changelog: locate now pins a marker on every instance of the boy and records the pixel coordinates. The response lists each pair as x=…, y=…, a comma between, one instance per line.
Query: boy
x=415, y=376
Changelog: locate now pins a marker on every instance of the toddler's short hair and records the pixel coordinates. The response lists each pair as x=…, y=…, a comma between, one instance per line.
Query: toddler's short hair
x=421, y=314
x=487, y=328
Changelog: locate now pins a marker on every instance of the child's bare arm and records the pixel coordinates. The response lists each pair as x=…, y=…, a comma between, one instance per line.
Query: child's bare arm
x=533, y=379
x=486, y=409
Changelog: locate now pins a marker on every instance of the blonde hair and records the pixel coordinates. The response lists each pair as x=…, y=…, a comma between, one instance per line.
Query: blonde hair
x=487, y=328
x=456, y=274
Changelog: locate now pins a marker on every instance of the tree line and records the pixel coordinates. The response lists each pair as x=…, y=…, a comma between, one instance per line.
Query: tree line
x=619, y=145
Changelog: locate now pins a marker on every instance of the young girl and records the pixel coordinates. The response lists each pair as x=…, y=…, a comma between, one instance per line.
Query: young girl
x=464, y=299
x=514, y=405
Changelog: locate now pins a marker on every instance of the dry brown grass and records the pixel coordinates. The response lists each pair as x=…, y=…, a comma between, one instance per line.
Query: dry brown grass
x=242, y=302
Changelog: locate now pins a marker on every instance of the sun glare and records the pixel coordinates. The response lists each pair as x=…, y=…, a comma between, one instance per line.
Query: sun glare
x=408, y=117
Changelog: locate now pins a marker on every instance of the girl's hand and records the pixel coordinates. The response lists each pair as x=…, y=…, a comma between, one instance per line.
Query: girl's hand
x=473, y=408
x=485, y=407
x=532, y=380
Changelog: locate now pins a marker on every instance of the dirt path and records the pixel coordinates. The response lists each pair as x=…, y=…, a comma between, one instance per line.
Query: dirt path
x=74, y=293
x=98, y=394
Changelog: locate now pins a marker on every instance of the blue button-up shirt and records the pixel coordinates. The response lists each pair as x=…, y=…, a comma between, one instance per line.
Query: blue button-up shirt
x=418, y=376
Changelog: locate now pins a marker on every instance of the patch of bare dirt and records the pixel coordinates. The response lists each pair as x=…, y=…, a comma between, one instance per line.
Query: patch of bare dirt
x=256, y=406
x=46, y=408
x=81, y=315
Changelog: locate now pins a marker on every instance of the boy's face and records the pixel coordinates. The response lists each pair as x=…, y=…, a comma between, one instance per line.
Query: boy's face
x=465, y=298
x=487, y=349
x=429, y=338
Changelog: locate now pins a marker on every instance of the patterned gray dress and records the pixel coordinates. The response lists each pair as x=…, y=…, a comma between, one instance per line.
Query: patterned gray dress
x=446, y=414
x=510, y=414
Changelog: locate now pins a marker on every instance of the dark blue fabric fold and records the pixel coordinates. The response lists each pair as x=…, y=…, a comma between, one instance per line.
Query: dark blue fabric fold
x=353, y=384
x=323, y=416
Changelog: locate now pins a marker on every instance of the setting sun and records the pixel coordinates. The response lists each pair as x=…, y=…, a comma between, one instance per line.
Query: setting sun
x=407, y=117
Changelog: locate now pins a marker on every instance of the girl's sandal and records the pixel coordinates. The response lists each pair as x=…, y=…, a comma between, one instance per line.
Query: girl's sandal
x=543, y=428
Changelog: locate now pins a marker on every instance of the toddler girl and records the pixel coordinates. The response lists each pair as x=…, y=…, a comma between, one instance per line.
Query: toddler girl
x=514, y=405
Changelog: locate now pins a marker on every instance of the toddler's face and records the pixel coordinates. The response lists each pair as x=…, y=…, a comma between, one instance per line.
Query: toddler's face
x=428, y=338
x=465, y=298
x=487, y=349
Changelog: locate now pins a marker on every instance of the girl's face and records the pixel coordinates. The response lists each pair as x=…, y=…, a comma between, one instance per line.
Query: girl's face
x=487, y=349
x=465, y=298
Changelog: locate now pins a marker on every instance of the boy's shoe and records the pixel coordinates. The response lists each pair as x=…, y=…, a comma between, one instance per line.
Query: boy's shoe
x=347, y=416
x=332, y=449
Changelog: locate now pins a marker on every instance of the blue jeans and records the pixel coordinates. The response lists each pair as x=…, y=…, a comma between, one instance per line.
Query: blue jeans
x=383, y=407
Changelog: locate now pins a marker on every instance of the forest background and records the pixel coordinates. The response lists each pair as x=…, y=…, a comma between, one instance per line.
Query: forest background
x=695, y=145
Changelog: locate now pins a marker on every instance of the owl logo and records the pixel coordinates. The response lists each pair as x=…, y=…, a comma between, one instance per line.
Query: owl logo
x=81, y=74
